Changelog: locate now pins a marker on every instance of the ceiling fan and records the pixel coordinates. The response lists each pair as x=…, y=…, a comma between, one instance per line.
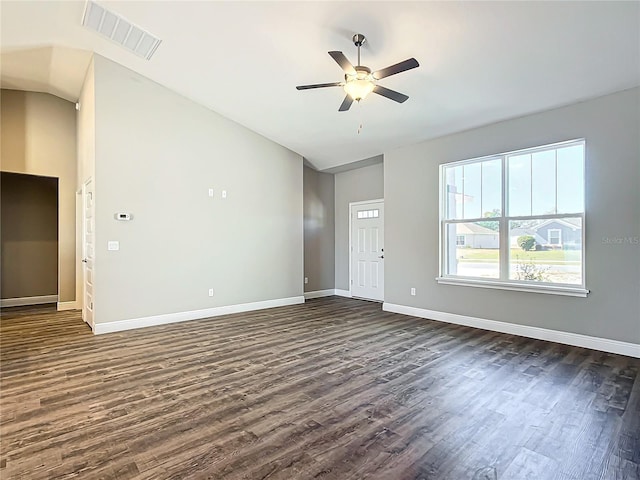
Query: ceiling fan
x=360, y=82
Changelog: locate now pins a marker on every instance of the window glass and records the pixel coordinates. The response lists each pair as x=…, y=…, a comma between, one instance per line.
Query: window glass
x=474, y=249
x=543, y=183
x=454, y=195
x=546, y=250
x=571, y=179
x=519, y=168
x=472, y=181
x=491, y=188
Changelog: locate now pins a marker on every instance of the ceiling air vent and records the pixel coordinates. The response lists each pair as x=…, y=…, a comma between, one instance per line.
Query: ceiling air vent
x=119, y=30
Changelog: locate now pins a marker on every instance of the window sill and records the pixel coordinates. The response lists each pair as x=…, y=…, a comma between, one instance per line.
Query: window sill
x=518, y=287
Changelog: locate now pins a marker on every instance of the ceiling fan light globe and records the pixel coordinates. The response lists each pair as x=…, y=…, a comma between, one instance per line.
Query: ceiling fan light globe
x=358, y=88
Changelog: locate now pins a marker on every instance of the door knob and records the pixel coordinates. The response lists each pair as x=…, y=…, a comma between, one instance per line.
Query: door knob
x=84, y=260
x=381, y=256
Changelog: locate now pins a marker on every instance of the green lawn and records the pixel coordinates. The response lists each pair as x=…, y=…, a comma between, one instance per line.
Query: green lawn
x=542, y=256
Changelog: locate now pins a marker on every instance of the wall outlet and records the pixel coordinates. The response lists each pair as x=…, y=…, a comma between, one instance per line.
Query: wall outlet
x=224, y=194
x=306, y=279
x=413, y=291
x=211, y=292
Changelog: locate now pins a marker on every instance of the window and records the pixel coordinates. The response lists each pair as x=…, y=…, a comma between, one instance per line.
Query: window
x=555, y=236
x=515, y=220
x=368, y=213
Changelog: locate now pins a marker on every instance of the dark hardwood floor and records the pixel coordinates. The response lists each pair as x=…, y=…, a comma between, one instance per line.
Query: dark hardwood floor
x=333, y=389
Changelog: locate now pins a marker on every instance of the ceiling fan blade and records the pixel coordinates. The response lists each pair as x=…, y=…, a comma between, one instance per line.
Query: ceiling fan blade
x=397, y=68
x=343, y=62
x=346, y=104
x=391, y=94
x=319, y=85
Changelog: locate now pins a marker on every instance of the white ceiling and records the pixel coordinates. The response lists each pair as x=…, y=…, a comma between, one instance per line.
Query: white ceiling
x=481, y=62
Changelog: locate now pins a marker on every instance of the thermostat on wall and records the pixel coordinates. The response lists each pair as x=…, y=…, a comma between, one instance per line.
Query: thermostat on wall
x=124, y=217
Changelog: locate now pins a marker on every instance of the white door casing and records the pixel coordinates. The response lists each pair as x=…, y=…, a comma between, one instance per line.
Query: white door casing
x=88, y=250
x=366, y=250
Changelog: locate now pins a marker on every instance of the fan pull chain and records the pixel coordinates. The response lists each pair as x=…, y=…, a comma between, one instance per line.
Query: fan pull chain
x=360, y=123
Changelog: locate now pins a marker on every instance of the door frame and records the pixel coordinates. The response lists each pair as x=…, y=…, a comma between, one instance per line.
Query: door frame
x=352, y=206
x=83, y=248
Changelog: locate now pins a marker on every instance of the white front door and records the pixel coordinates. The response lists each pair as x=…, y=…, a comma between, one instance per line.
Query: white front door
x=88, y=250
x=367, y=250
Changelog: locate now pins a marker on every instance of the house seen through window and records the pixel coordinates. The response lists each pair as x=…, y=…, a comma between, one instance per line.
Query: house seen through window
x=515, y=218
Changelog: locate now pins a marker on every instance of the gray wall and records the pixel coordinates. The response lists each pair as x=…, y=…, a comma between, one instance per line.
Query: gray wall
x=365, y=183
x=610, y=126
x=29, y=235
x=156, y=156
x=38, y=134
x=319, y=230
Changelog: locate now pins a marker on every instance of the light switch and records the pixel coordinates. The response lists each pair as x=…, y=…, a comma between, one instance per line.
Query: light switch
x=211, y=192
x=224, y=194
x=113, y=245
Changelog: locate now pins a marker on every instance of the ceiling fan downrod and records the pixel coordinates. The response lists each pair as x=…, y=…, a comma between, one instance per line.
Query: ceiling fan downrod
x=358, y=40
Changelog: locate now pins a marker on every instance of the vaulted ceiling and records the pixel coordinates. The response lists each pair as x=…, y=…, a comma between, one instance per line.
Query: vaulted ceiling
x=480, y=62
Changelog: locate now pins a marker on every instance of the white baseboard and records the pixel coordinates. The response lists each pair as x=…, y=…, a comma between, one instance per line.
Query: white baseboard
x=319, y=294
x=120, y=325
x=72, y=305
x=567, y=338
x=22, y=301
x=343, y=293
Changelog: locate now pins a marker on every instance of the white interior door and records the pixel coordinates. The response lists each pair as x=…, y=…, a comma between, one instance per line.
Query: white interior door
x=367, y=250
x=88, y=250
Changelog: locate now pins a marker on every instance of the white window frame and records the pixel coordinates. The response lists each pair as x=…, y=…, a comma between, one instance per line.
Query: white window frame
x=504, y=283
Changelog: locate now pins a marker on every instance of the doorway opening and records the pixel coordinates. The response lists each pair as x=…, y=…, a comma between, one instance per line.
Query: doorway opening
x=29, y=239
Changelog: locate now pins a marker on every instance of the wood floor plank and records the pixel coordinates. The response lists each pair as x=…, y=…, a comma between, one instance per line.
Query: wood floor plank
x=334, y=389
